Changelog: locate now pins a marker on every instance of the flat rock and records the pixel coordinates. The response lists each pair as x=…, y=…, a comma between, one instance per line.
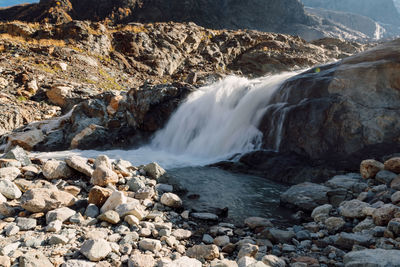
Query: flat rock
x=44, y=199
x=305, y=196
x=95, y=250
x=80, y=164
x=60, y=214
x=372, y=257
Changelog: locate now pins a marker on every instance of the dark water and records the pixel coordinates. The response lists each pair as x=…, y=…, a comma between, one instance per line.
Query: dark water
x=244, y=195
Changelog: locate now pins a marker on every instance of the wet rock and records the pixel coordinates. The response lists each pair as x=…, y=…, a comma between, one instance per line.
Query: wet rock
x=352, y=209
x=205, y=252
x=372, y=257
x=95, y=250
x=305, y=196
x=44, y=199
x=204, y=216
x=369, y=168
x=80, y=164
x=385, y=176
x=171, y=200
x=154, y=170
x=56, y=169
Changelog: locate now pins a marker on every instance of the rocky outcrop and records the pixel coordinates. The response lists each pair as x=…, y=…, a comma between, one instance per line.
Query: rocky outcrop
x=342, y=110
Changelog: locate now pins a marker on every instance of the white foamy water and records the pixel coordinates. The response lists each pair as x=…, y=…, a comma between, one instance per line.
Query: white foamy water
x=214, y=123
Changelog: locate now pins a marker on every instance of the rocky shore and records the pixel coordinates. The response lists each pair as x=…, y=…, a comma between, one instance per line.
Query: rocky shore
x=99, y=212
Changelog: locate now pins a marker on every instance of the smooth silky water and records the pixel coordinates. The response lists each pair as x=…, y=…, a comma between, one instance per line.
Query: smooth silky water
x=214, y=123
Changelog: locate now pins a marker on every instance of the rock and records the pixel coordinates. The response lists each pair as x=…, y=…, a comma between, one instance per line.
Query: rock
x=154, y=170
x=223, y=263
x=26, y=224
x=385, y=176
x=393, y=165
x=277, y=235
x=77, y=218
x=80, y=164
x=56, y=169
x=247, y=262
x=9, y=248
x=9, y=189
x=116, y=198
x=171, y=200
x=348, y=240
x=152, y=245
x=221, y=241
x=11, y=230
x=364, y=225
x=103, y=176
x=273, y=261
x=369, y=168
x=103, y=160
x=109, y=216
x=132, y=207
x=144, y=193
x=183, y=262
x=182, y=234
x=60, y=214
x=92, y=211
x=352, y=209
x=98, y=195
x=44, y=199
x=58, y=239
x=205, y=252
x=394, y=226
x=306, y=196
x=18, y=153
x=164, y=188
x=135, y=184
x=95, y=250
x=5, y=261
x=334, y=224
x=54, y=226
x=9, y=173
x=78, y=263
x=204, y=216
x=395, y=184
x=321, y=213
x=395, y=197
x=131, y=220
x=384, y=214
x=27, y=140
x=34, y=259
x=141, y=260
x=372, y=257
x=6, y=163
x=255, y=222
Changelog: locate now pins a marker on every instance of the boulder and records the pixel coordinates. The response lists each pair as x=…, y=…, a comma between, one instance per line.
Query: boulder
x=305, y=196
x=369, y=168
x=393, y=165
x=56, y=169
x=27, y=140
x=171, y=200
x=154, y=170
x=99, y=195
x=352, y=209
x=44, y=199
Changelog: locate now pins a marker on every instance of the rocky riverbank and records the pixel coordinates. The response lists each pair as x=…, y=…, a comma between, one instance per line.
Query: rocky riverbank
x=98, y=212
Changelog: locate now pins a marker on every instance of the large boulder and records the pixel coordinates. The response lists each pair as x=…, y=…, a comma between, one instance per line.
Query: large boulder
x=345, y=110
x=305, y=196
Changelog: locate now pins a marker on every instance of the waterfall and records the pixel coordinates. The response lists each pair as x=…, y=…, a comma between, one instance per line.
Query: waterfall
x=220, y=119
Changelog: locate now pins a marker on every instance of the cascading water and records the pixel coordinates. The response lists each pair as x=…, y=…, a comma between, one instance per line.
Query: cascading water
x=220, y=119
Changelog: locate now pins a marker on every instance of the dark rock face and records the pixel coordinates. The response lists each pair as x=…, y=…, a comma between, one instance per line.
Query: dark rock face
x=344, y=109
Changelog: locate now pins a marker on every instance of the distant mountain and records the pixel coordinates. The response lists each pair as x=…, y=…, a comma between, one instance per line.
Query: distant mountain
x=4, y=3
